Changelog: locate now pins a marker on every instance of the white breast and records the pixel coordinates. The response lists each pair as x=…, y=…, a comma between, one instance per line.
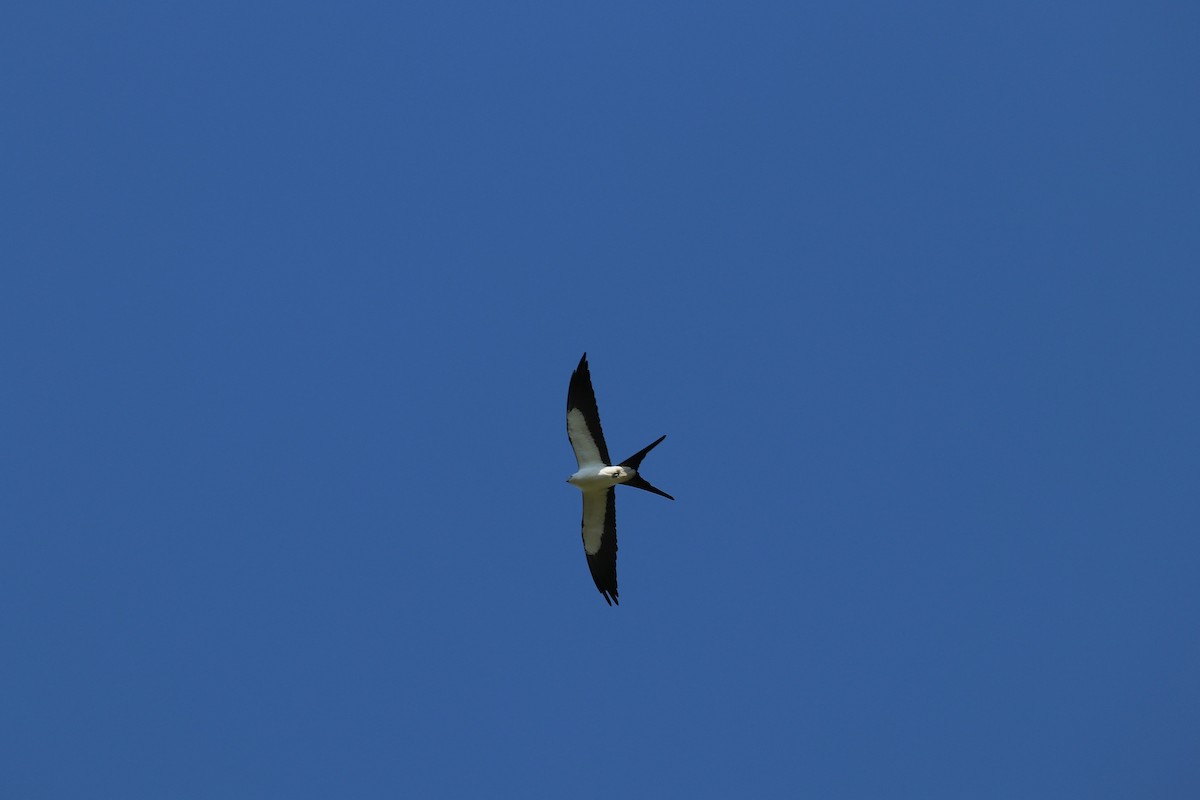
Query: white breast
x=592, y=478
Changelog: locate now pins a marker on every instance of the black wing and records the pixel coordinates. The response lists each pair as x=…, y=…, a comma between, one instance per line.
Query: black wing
x=600, y=540
x=583, y=419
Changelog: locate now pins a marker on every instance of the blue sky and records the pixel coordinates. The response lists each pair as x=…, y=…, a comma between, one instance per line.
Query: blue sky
x=290, y=299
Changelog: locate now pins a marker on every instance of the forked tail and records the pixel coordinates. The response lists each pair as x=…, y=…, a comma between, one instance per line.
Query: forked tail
x=635, y=460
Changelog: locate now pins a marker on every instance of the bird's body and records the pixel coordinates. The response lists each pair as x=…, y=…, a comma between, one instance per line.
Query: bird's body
x=598, y=479
x=594, y=477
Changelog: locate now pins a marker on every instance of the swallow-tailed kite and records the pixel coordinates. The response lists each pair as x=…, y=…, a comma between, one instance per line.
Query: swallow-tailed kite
x=597, y=480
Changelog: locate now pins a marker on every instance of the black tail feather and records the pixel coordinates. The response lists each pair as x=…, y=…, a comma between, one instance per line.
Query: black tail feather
x=635, y=461
x=638, y=482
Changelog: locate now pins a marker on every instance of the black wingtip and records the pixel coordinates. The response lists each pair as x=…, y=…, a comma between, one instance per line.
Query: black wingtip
x=582, y=366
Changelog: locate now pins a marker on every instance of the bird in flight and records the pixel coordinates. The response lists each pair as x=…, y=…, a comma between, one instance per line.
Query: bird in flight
x=597, y=479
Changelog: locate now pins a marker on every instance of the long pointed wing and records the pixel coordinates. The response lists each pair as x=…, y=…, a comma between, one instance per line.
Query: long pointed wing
x=583, y=419
x=600, y=540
